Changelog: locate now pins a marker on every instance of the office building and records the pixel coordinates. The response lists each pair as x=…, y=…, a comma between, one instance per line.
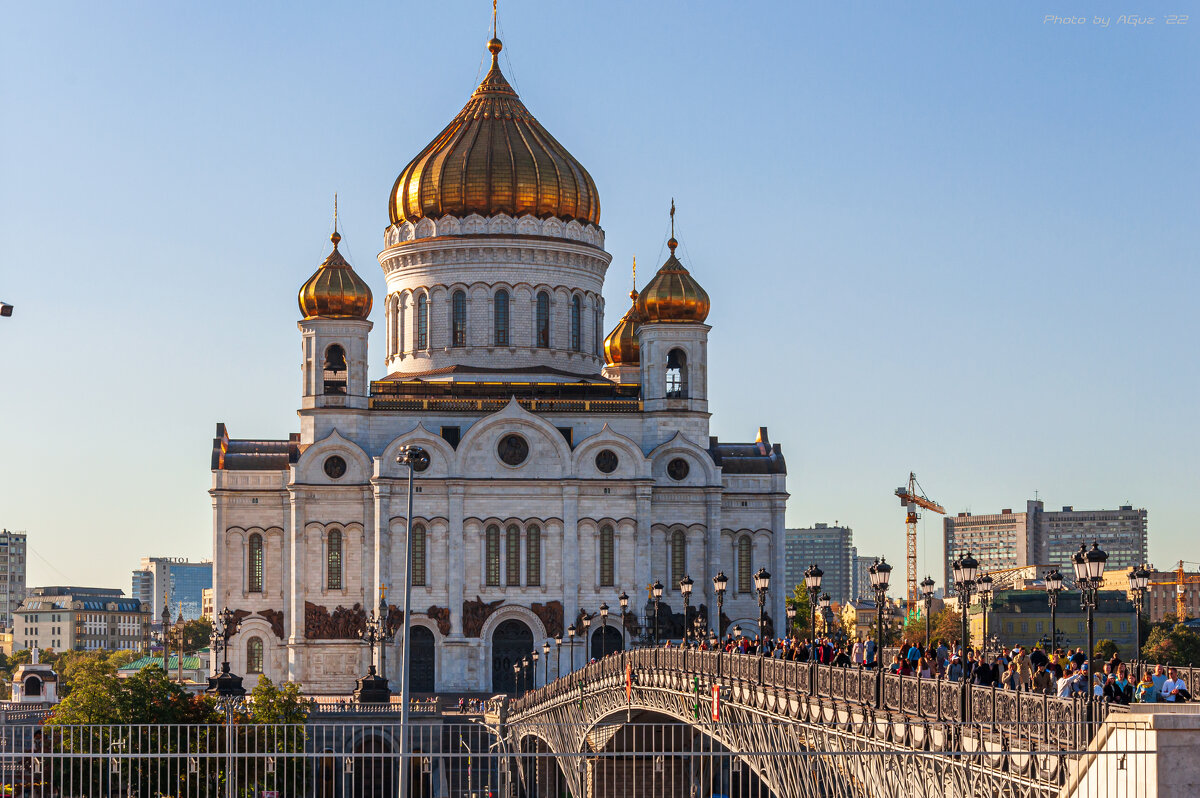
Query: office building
x=831, y=548
x=12, y=575
x=174, y=581
x=1045, y=539
x=1161, y=593
x=861, y=577
x=1022, y=617
x=68, y=618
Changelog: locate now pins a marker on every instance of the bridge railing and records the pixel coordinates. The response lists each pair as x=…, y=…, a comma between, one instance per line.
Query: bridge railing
x=1056, y=720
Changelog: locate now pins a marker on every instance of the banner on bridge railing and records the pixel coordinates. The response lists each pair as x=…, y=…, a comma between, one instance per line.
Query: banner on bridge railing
x=716, y=702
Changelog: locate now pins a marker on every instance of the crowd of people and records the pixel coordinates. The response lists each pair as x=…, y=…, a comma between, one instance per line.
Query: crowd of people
x=1059, y=673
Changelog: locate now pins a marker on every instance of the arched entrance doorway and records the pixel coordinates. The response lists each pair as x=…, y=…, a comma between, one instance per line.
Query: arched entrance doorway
x=373, y=776
x=606, y=640
x=33, y=686
x=511, y=641
x=421, y=665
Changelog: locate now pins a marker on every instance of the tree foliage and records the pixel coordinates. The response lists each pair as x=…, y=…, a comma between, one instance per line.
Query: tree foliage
x=947, y=625
x=148, y=696
x=802, y=626
x=197, y=634
x=1105, y=649
x=271, y=703
x=1176, y=646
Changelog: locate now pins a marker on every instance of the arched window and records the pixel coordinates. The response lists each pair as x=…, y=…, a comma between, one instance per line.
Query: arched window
x=543, y=320
x=333, y=560
x=677, y=374
x=533, y=555
x=745, y=583
x=492, y=555
x=422, y=322
x=512, y=555
x=576, y=312
x=678, y=557
x=418, y=555
x=333, y=370
x=254, y=655
x=500, y=319
x=458, y=322
x=254, y=564
x=606, y=555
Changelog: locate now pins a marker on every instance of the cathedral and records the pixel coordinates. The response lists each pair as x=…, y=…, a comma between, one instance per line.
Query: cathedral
x=566, y=466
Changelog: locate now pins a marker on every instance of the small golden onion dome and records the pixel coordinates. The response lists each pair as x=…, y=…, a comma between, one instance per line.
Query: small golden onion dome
x=673, y=296
x=494, y=158
x=621, y=346
x=335, y=291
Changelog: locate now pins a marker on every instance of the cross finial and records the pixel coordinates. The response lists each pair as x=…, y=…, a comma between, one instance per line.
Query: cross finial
x=335, y=212
x=635, y=272
x=672, y=217
x=494, y=19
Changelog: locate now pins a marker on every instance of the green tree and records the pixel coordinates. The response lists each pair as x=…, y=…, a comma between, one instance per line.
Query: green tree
x=802, y=626
x=947, y=625
x=271, y=703
x=148, y=696
x=76, y=666
x=197, y=634
x=1105, y=649
x=1176, y=646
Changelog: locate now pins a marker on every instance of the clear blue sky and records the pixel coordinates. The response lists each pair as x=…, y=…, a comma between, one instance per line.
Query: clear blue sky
x=946, y=237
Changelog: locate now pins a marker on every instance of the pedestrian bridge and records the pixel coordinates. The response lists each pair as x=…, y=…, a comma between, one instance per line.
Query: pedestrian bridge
x=743, y=724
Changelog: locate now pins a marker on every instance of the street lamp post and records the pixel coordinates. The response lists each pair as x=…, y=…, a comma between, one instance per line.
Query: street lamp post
x=983, y=586
x=414, y=458
x=546, y=656
x=534, y=654
x=586, y=623
x=373, y=688
x=1054, y=586
x=825, y=613
x=791, y=620
x=685, y=588
x=762, y=583
x=719, y=583
x=927, y=594
x=964, y=571
x=225, y=685
x=623, y=600
x=656, y=591
x=1089, y=571
x=604, y=632
x=517, y=678
x=1139, y=580
x=558, y=653
x=571, y=630
x=880, y=573
x=812, y=580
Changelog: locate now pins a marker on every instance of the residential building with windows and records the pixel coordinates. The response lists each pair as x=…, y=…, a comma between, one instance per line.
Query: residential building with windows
x=12, y=575
x=565, y=466
x=1045, y=539
x=173, y=581
x=63, y=618
x=831, y=548
x=861, y=577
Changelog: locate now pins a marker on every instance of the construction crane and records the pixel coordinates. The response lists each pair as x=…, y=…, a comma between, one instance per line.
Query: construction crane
x=913, y=496
x=1180, y=581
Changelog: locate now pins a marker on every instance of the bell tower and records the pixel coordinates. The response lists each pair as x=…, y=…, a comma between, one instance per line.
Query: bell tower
x=335, y=303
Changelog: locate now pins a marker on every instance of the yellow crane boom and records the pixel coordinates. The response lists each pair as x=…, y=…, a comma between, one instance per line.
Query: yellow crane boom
x=912, y=497
x=1180, y=581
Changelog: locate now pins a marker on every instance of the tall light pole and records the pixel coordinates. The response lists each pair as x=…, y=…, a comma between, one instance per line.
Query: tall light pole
x=762, y=583
x=517, y=677
x=1139, y=580
x=571, y=630
x=414, y=458
x=880, y=573
x=927, y=595
x=656, y=591
x=964, y=571
x=983, y=586
x=623, y=600
x=586, y=623
x=720, y=581
x=1089, y=571
x=604, y=632
x=1054, y=586
x=534, y=654
x=558, y=653
x=825, y=602
x=812, y=581
x=685, y=588
x=546, y=655
x=790, y=610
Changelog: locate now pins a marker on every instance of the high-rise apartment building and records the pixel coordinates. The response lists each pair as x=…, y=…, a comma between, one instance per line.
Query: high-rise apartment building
x=830, y=547
x=860, y=581
x=12, y=575
x=1044, y=538
x=173, y=580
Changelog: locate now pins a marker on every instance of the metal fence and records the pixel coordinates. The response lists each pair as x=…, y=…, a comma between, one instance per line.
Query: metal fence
x=616, y=759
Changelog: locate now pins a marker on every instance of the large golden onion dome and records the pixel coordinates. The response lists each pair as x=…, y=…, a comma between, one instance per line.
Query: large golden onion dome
x=494, y=158
x=673, y=296
x=335, y=291
x=621, y=346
